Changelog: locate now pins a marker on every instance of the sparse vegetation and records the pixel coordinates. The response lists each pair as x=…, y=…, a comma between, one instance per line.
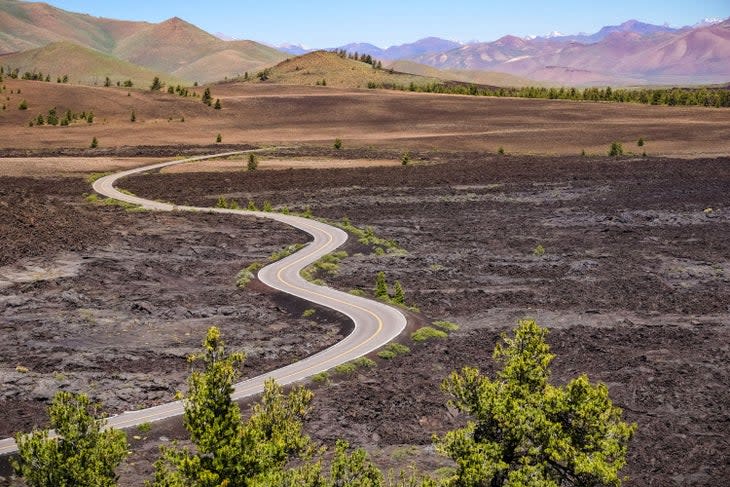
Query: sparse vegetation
x=392, y=350
x=328, y=264
x=616, y=150
x=338, y=144
x=308, y=313
x=538, y=251
x=85, y=452
x=447, y=326
x=428, y=333
x=405, y=158
x=253, y=162
x=223, y=202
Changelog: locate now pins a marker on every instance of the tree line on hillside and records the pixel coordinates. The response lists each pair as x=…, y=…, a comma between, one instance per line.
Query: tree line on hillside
x=703, y=96
x=363, y=58
x=521, y=431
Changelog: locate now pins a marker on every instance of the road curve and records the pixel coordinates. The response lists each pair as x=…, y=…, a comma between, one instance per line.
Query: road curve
x=376, y=323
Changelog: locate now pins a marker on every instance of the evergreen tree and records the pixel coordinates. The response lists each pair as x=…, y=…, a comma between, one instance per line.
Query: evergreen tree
x=207, y=99
x=399, y=295
x=228, y=451
x=217, y=104
x=526, y=431
x=52, y=117
x=84, y=452
x=156, y=84
x=381, y=286
x=253, y=162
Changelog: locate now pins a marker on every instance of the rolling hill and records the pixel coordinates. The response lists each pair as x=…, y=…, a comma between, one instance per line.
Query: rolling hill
x=315, y=67
x=173, y=46
x=491, y=78
x=83, y=65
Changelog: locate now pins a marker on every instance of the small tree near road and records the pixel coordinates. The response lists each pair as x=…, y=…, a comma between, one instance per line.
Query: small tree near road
x=83, y=454
x=253, y=162
x=525, y=431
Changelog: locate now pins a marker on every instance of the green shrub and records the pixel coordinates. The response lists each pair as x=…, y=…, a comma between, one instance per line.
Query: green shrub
x=357, y=292
x=94, y=143
x=338, y=144
x=392, y=350
x=23, y=105
x=500, y=151
x=640, y=142
x=427, y=333
x=446, y=325
x=321, y=377
x=308, y=313
x=616, y=150
x=405, y=158
x=144, y=427
x=219, y=139
x=346, y=368
x=538, y=251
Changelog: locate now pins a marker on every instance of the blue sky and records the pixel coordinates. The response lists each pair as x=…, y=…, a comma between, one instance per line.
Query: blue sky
x=326, y=23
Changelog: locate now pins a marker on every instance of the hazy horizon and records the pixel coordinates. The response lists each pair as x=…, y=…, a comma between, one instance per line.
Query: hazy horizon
x=323, y=23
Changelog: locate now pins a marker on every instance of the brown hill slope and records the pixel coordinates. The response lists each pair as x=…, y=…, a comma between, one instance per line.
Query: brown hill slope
x=83, y=65
x=491, y=78
x=324, y=67
x=174, y=46
x=28, y=25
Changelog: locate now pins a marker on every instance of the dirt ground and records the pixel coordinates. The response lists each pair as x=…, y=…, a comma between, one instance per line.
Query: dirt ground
x=633, y=285
x=282, y=115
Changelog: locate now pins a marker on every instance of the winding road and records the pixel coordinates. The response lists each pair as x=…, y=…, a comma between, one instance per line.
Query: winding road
x=376, y=323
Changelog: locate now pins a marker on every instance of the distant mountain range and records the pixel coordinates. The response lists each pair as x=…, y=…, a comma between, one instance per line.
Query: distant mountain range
x=630, y=53
x=34, y=35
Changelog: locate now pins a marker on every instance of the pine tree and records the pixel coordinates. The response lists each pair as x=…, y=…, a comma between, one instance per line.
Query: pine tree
x=217, y=104
x=381, y=286
x=94, y=143
x=85, y=453
x=156, y=84
x=207, y=99
x=399, y=295
x=227, y=450
x=253, y=162
x=526, y=431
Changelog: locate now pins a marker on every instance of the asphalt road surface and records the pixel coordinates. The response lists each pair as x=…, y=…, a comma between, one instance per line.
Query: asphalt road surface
x=376, y=323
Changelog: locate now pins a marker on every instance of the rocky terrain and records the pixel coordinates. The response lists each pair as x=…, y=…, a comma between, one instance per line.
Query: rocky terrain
x=625, y=260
